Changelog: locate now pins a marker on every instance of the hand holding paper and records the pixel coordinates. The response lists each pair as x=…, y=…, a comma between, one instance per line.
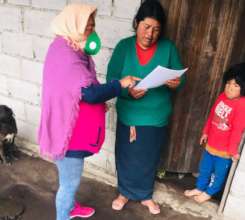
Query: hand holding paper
x=136, y=93
x=173, y=83
x=158, y=77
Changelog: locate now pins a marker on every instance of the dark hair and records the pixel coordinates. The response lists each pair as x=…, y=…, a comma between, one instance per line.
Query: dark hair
x=236, y=72
x=151, y=9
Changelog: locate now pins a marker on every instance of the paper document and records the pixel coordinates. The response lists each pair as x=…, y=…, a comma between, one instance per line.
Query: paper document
x=158, y=77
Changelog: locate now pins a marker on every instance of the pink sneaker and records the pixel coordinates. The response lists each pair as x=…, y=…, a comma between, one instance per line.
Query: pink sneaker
x=81, y=211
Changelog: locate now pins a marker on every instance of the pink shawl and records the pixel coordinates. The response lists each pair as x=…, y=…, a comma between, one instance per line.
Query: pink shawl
x=65, y=72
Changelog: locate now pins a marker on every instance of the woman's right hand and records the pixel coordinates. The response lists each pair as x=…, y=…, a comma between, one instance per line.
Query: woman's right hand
x=136, y=93
x=128, y=81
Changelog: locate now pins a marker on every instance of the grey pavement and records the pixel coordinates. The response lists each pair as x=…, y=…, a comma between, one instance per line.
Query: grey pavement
x=32, y=182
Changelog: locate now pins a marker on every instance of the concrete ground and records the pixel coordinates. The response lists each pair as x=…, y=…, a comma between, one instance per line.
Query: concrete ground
x=33, y=183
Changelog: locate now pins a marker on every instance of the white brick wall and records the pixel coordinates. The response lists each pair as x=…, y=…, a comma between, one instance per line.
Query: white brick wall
x=235, y=208
x=53, y=4
x=109, y=32
x=3, y=87
x=238, y=184
x=103, y=160
x=17, y=44
x=32, y=114
x=40, y=46
x=122, y=9
x=9, y=65
x=102, y=59
x=20, y=2
x=31, y=71
x=0, y=42
x=24, y=39
x=38, y=22
x=27, y=130
x=10, y=18
x=25, y=91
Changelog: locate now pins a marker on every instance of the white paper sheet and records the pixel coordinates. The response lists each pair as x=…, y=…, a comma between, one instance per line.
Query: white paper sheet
x=158, y=77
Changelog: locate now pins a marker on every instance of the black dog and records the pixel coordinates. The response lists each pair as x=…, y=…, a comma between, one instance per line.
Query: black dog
x=8, y=131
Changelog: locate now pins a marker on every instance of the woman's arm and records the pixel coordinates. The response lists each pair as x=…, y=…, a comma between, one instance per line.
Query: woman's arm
x=101, y=92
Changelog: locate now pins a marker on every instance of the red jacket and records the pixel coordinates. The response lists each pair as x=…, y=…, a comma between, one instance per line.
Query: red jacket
x=225, y=124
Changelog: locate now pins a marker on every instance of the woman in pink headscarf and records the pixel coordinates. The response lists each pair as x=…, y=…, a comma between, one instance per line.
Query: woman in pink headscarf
x=72, y=124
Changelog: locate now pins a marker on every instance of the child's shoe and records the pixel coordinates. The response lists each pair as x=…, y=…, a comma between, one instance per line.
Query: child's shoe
x=193, y=192
x=202, y=197
x=81, y=211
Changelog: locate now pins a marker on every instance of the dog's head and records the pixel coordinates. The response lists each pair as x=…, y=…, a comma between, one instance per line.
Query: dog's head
x=7, y=121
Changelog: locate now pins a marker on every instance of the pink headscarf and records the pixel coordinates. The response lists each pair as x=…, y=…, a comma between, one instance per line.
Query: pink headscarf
x=65, y=72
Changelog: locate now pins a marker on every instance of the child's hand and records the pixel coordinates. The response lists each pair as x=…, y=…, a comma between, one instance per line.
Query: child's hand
x=235, y=157
x=203, y=139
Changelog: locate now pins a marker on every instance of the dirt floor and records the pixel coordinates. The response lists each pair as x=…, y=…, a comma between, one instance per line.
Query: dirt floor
x=33, y=183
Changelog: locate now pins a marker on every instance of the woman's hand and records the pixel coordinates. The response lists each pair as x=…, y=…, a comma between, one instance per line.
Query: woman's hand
x=204, y=139
x=136, y=93
x=173, y=83
x=128, y=81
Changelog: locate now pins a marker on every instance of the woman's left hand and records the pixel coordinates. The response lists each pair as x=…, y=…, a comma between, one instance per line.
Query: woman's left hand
x=173, y=83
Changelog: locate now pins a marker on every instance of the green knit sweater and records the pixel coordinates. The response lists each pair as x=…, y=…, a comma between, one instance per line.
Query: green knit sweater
x=155, y=107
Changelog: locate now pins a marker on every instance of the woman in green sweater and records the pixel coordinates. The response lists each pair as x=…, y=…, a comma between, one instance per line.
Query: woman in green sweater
x=143, y=115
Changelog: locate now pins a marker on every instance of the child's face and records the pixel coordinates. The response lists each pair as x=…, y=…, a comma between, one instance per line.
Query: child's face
x=232, y=89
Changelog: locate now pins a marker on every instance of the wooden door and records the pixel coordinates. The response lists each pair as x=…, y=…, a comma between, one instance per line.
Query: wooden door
x=210, y=35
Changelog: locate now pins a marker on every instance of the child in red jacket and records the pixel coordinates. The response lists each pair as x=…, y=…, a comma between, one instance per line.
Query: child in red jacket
x=221, y=136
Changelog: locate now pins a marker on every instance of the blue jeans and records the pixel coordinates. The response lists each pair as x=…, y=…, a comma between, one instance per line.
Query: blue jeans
x=213, y=171
x=69, y=171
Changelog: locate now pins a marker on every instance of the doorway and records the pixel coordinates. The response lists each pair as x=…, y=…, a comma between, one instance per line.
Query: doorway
x=210, y=37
